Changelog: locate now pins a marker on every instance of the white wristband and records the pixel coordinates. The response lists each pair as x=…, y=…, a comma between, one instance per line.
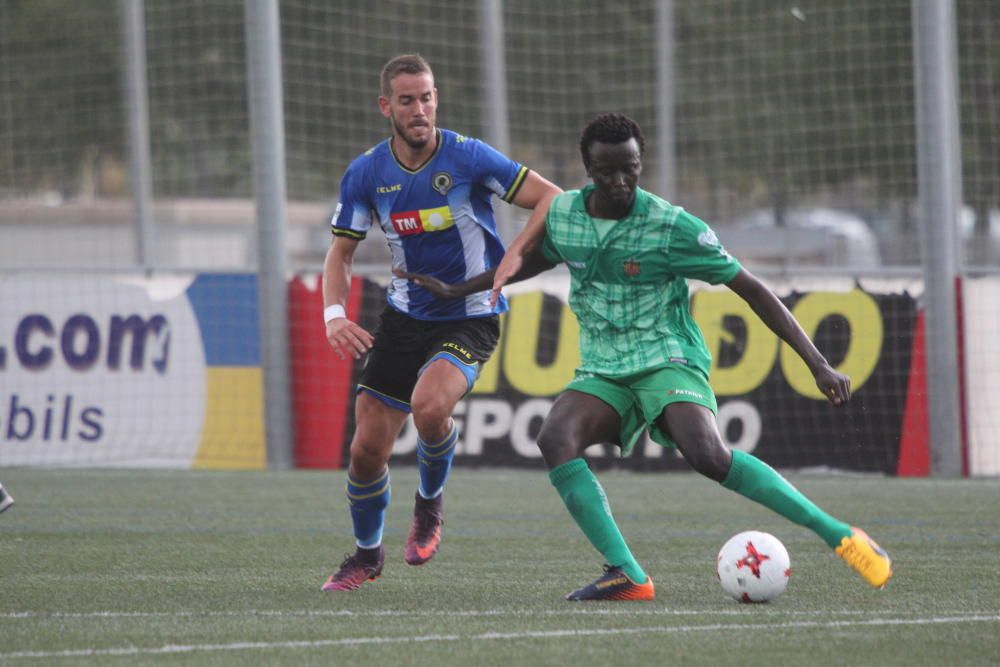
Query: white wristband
x=333, y=312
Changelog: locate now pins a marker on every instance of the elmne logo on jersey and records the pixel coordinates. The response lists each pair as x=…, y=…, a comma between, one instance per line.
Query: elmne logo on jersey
x=425, y=220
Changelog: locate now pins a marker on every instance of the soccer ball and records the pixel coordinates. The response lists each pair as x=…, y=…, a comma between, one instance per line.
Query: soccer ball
x=753, y=567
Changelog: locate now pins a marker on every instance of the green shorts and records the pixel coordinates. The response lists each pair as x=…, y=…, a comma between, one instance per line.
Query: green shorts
x=640, y=398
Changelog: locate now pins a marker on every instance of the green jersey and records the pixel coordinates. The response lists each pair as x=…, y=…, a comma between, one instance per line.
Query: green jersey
x=628, y=281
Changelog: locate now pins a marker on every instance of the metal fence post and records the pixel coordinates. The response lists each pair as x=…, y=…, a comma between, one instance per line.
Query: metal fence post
x=496, y=120
x=939, y=170
x=666, y=184
x=133, y=24
x=263, y=31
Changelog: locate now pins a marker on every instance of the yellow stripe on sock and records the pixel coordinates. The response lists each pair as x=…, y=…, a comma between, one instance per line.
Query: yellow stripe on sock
x=363, y=496
x=437, y=455
x=354, y=482
x=453, y=433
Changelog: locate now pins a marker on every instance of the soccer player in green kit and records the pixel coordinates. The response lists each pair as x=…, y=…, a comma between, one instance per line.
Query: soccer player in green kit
x=644, y=363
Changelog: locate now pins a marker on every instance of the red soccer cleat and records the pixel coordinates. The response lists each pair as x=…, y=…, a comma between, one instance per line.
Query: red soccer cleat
x=425, y=533
x=361, y=566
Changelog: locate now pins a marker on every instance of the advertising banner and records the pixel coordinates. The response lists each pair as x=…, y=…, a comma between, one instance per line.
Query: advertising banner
x=982, y=373
x=126, y=370
x=99, y=370
x=768, y=402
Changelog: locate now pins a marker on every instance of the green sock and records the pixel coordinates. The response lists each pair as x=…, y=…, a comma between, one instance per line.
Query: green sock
x=752, y=478
x=584, y=498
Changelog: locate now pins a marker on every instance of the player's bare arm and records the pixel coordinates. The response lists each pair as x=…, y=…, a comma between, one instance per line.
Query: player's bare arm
x=835, y=385
x=533, y=263
x=346, y=337
x=537, y=194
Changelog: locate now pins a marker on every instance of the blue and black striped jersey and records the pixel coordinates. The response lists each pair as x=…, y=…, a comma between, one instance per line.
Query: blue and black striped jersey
x=438, y=219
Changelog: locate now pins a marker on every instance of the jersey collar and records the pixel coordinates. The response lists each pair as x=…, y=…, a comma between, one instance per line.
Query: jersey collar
x=640, y=205
x=437, y=149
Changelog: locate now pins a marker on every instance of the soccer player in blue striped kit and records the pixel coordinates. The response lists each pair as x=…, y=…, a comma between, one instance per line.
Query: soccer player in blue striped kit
x=430, y=190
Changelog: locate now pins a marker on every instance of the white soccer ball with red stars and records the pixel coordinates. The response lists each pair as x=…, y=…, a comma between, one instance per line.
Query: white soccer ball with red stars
x=753, y=567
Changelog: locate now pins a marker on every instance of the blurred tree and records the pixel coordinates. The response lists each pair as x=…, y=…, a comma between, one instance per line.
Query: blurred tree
x=979, y=80
x=777, y=102
x=60, y=99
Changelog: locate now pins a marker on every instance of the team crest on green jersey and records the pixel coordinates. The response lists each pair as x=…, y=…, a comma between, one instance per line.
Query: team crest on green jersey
x=632, y=267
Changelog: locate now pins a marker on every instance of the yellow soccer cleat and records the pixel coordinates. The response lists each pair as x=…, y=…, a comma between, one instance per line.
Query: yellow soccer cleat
x=866, y=557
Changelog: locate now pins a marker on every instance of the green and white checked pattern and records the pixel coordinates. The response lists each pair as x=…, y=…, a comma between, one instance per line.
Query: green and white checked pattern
x=629, y=289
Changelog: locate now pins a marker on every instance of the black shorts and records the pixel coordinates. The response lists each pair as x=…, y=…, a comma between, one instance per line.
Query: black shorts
x=404, y=346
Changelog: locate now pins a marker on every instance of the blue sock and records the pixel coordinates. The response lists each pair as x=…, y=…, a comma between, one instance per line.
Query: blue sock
x=434, y=462
x=368, y=502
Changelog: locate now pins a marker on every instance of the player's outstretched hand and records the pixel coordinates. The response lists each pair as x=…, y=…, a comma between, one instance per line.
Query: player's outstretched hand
x=509, y=265
x=835, y=386
x=438, y=288
x=348, y=338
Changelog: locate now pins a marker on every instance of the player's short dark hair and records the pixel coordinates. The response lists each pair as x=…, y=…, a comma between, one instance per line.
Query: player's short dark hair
x=610, y=128
x=408, y=63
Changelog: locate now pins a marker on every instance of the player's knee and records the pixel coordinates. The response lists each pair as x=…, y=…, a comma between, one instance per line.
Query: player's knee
x=431, y=415
x=708, y=456
x=368, y=459
x=556, y=449
x=548, y=444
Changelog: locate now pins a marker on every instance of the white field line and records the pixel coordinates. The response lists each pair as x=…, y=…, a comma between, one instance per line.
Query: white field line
x=739, y=610
x=487, y=636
